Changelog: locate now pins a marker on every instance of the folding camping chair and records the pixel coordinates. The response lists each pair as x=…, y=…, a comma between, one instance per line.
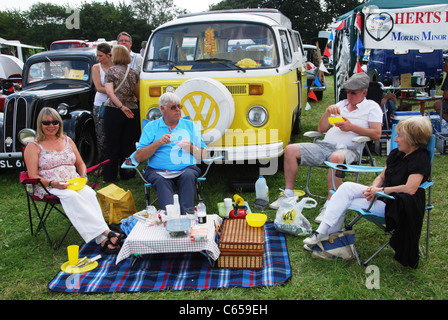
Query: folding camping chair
x=361, y=140
x=374, y=93
x=52, y=203
x=132, y=163
x=380, y=221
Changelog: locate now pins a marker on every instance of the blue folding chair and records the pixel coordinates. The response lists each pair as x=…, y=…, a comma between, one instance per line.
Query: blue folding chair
x=378, y=220
x=133, y=164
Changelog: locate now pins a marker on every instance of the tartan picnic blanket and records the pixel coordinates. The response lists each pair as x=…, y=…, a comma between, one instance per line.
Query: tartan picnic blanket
x=180, y=271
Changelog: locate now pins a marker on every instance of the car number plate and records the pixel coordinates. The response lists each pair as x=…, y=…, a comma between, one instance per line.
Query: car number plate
x=11, y=163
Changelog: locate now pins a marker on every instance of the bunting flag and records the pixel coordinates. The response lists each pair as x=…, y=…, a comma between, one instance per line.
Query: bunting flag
x=341, y=25
x=358, y=68
x=312, y=95
x=317, y=82
x=331, y=36
x=359, y=48
x=327, y=52
x=358, y=22
x=308, y=106
x=323, y=68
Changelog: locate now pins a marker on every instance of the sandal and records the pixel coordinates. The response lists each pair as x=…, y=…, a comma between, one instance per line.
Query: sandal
x=116, y=246
x=105, y=247
x=113, y=234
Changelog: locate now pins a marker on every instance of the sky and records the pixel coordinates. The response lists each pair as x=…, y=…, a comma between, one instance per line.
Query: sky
x=190, y=5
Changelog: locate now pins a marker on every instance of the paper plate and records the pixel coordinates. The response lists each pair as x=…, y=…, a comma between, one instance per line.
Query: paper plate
x=76, y=183
x=298, y=193
x=74, y=269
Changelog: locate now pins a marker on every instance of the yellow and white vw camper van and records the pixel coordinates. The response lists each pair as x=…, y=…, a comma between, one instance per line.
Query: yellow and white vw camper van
x=240, y=74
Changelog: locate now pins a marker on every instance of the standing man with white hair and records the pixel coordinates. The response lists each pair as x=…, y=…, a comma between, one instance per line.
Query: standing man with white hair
x=125, y=39
x=172, y=145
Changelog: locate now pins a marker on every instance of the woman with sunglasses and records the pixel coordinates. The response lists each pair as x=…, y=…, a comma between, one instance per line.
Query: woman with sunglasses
x=53, y=158
x=122, y=116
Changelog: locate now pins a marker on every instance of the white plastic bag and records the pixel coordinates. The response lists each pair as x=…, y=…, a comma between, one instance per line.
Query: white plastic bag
x=289, y=218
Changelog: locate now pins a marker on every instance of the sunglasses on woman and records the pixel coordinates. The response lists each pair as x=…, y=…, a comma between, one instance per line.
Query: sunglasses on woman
x=48, y=122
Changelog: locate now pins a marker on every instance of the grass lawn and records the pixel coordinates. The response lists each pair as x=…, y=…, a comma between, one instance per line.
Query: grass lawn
x=28, y=264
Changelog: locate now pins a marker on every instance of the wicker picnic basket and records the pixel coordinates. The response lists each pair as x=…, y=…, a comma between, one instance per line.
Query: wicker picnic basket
x=241, y=246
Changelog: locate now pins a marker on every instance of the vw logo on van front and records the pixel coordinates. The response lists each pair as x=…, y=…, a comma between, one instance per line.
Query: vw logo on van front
x=201, y=107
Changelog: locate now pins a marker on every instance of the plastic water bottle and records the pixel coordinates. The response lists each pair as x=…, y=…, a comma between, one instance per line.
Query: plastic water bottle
x=176, y=204
x=201, y=207
x=202, y=213
x=261, y=189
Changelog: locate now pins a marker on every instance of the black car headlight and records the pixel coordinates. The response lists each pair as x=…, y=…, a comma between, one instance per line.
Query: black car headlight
x=26, y=135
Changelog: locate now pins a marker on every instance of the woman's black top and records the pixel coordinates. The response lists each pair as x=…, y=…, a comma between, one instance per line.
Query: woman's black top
x=399, y=167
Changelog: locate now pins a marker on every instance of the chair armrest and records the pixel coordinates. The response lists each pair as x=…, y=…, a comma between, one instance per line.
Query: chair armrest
x=90, y=169
x=353, y=168
x=211, y=160
x=383, y=195
x=313, y=134
x=361, y=139
x=425, y=185
x=130, y=162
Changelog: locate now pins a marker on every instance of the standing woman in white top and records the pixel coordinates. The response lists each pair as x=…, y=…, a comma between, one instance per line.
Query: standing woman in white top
x=99, y=72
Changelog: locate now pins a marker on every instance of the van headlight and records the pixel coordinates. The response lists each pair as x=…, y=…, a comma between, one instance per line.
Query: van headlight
x=257, y=116
x=154, y=113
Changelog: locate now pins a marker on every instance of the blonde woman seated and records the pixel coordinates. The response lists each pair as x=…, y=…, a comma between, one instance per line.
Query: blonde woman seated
x=406, y=168
x=53, y=158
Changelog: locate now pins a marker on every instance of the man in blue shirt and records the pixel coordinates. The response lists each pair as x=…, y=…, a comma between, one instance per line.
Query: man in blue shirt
x=172, y=146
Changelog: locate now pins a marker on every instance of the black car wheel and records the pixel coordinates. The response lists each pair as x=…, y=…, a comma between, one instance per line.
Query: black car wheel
x=87, y=146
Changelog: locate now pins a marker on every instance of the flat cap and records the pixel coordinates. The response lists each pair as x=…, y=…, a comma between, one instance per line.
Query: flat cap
x=358, y=81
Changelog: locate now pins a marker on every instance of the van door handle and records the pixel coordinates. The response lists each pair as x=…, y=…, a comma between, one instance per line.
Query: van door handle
x=418, y=56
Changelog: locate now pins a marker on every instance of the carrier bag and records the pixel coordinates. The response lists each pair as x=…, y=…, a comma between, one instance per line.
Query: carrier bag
x=116, y=203
x=289, y=218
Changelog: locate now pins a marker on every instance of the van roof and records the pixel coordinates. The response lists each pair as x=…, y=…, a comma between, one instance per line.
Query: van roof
x=267, y=16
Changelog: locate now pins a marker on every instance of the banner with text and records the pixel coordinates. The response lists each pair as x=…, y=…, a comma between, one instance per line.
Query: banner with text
x=424, y=27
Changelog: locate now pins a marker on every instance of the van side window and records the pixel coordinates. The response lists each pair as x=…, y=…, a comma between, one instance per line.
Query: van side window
x=286, y=47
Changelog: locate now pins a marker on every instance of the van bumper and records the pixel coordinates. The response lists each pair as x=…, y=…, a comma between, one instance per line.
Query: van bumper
x=242, y=153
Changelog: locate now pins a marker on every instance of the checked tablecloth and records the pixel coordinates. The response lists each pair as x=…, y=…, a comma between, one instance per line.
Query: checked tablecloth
x=155, y=239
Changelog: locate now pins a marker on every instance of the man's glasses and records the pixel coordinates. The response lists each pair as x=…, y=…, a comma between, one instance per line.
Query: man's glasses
x=48, y=122
x=173, y=107
x=353, y=92
x=124, y=40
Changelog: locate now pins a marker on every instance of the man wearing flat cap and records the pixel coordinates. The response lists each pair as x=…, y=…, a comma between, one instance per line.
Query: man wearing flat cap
x=362, y=118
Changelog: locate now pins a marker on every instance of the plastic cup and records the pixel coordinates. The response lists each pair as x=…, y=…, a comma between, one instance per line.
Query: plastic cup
x=228, y=205
x=73, y=254
x=238, y=199
x=432, y=93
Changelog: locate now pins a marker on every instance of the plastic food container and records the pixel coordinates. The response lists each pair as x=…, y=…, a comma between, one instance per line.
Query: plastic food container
x=256, y=219
x=178, y=227
x=333, y=120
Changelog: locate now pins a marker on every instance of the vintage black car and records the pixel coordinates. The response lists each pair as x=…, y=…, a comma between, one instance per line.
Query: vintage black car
x=61, y=80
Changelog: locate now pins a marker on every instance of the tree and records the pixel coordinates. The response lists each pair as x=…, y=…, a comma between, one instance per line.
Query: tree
x=156, y=12
x=307, y=16
x=46, y=23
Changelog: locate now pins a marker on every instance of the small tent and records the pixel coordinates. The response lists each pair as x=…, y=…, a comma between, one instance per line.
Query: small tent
x=387, y=24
